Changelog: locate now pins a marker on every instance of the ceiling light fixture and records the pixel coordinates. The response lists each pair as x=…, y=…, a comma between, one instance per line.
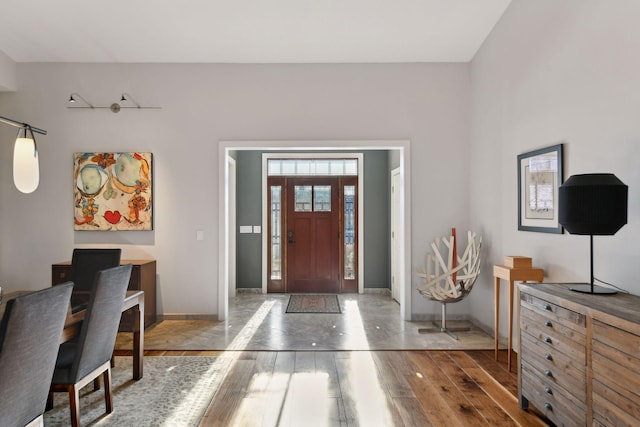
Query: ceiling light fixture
x=26, y=168
x=115, y=107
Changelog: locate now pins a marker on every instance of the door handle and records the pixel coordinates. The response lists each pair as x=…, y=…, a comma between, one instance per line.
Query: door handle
x=290, y=237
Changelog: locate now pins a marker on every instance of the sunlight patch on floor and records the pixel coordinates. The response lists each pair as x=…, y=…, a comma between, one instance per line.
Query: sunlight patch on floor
x=306, y=403
x=225, y=361
x=370, y=403
x=356, y=336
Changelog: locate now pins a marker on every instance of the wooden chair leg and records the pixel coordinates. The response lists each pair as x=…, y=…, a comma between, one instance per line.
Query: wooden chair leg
x=74, y=405
x=96, y=384
x=108, y=397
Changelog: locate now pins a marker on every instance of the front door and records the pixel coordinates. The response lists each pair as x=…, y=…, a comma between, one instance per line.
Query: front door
x=312, y=235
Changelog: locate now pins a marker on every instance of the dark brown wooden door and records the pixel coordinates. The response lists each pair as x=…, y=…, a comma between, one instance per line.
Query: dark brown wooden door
x=312, y=235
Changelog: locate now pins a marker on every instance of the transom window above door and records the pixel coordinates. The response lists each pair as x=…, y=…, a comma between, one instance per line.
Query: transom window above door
x=312, y=167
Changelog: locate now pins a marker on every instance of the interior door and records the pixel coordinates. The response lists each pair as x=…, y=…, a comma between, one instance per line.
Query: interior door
x=395, y=241
x=312, y=235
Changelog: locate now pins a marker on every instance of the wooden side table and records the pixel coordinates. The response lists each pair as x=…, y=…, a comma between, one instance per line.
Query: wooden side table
x=143, y=278
x=510, y=274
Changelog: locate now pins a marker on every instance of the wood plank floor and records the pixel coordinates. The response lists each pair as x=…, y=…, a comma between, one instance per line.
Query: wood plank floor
x=365, y=388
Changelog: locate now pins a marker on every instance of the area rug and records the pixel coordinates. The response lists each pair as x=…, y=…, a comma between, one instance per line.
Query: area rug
x=174, y=391
x=313, y=304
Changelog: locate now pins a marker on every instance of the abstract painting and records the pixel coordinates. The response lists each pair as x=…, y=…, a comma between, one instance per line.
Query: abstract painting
x=112, y=191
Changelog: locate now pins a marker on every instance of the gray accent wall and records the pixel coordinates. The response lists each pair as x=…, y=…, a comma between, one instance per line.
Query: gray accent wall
x=377, y=217
x=248, y=212
x=377, y=256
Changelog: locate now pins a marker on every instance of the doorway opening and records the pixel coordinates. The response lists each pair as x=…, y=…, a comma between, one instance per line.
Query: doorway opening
x=399, y=149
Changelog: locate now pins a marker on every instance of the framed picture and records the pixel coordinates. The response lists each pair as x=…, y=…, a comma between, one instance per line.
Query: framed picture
x=112, y=191
x=539, y=177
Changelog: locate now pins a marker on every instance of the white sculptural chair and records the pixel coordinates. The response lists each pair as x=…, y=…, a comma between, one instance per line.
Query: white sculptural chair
x=449, y=277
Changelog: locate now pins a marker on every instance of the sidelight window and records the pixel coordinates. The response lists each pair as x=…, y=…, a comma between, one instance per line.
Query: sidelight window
x=349, y=232
x=276, y=227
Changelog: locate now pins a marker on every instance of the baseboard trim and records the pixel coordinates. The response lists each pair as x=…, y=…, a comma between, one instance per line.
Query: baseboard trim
x=179, y=316
x=383, y=291
x=377, y=291
x=422, y=317
x=248, y=290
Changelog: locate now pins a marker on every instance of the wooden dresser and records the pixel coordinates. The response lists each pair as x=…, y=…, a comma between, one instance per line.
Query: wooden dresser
x=579, y=356
x=143, y=278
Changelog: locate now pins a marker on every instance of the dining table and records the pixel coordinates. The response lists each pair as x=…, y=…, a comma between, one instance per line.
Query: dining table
x=134, y=300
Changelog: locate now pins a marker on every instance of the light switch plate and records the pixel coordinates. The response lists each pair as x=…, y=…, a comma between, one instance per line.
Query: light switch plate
x=246, y=229
x=257, y=229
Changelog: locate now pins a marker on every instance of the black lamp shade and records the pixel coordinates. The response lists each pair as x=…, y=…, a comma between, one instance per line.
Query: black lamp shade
x=593, y=204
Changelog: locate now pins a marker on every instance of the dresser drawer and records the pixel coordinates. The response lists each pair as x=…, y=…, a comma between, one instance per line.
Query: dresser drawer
x=553, y=325
x=623, y=341
x=616, y=380
x=612, y=408
x=548, y=359
x=556, y=403
x=60, y=274
x=554, y=313
x=616, y=360
x=556, y=342
x=553, y=370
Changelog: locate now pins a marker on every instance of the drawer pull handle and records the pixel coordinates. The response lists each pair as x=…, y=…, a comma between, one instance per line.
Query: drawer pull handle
x=548, y=356
x=548, y=324
x=548, y=390
x=548, y=407
x=548, y=307
x=548, y=340
x=548, y=373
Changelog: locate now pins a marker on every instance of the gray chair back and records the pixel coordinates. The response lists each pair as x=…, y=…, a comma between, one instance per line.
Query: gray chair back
x=85, y=263
x=29, y=339
x=100, y=325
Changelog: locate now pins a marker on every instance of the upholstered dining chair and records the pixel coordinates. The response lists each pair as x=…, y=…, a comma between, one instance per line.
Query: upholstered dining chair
x=82, y=360
x=85, y=263
x=29, y=340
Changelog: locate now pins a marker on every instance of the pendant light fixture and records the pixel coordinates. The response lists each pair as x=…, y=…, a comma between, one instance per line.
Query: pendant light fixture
x=26, y=169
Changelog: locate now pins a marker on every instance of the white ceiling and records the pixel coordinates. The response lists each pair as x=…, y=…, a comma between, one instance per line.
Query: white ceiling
x=246, y=31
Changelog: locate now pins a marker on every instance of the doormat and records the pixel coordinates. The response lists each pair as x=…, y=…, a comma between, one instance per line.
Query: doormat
x=313, y=304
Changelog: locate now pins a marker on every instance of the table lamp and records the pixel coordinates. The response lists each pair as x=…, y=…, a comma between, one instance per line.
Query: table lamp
x=592, y=204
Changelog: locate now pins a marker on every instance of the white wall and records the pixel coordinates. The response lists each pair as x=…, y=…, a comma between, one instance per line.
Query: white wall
x=556, y=72
x=7, y=73
x=201, y=105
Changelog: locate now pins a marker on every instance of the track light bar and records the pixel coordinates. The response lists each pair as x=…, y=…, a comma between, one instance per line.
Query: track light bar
x=115, y=107
x=21, y=125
